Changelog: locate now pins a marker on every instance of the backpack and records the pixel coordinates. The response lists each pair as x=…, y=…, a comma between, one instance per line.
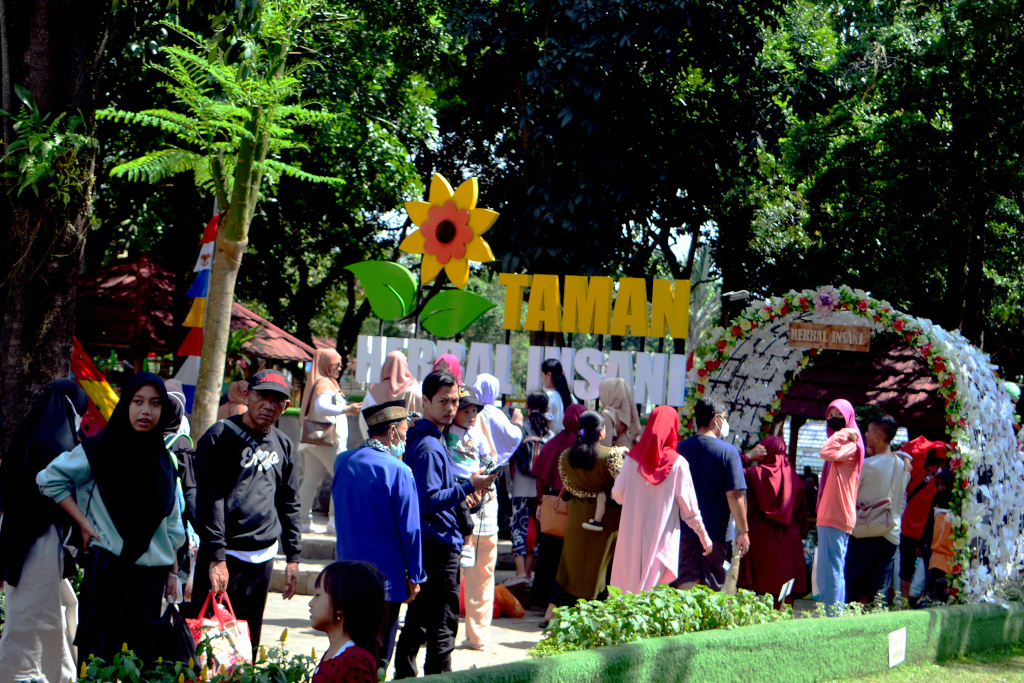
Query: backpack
x=526, y=454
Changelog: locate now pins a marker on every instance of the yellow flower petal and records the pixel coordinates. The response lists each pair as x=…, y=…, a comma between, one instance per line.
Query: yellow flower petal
x=458, y=271
x=467, y=194
x=429, y=268
x=414, y=243
x=481, y=220
x=479, y=250
x=440, y=190
x=417, y=212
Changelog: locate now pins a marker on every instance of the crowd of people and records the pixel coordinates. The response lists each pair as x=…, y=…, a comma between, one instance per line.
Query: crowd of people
x=416, y=512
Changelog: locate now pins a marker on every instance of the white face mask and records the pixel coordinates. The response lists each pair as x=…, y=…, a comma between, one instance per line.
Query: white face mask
x=725, y=429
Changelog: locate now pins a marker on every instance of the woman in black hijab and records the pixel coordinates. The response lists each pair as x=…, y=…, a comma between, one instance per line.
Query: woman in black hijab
x=36, y=643
x=124, y=480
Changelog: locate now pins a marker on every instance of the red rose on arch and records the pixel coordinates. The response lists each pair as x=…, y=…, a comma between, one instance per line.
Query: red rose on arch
x=805, y=303
x=722, y=345
x=965, y=484
x=702, y=373
x=780, y=395
x=812, y=352
x=927, y=349
x=956, y=569
x=718, y=363
x=948, y=382
x=899, y=325
x=956, y=463
x=862, y=305
x=785, y=310
x=737, y=331
x=878, y=318
x=700, y=388
x=940, y=366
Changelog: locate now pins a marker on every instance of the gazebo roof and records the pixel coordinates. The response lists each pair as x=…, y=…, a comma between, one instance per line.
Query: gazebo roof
x=127, y=305
x=891, y=376
x=270, y=341
x=131, y=305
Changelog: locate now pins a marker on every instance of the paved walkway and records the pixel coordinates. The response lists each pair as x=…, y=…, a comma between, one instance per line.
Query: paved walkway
x=509, y=640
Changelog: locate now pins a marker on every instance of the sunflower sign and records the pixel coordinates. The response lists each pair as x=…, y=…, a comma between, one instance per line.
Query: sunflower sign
x=449, y=232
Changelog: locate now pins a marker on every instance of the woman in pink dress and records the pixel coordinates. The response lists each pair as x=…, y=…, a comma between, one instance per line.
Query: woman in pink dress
x=655, y=492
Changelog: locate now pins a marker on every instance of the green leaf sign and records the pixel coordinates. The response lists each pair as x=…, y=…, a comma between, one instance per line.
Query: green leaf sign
x=390, y=287
x=452, y=311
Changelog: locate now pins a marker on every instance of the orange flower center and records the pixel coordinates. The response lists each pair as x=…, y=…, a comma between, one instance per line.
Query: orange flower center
x=445, y=232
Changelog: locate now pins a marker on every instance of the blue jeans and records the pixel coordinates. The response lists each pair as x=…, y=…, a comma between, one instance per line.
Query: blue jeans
x=832, y=544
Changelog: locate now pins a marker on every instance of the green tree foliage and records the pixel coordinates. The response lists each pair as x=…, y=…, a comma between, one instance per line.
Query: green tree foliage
x=370, y=65
x=603, y=130
x=902, y=170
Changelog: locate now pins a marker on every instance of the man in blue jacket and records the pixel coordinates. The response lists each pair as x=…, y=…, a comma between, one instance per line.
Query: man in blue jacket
x=433, y=618
x=377, y=511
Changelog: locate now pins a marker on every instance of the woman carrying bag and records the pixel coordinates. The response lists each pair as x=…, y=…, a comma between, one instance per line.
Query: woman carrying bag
x=41, y=608
x=324, y=431
x=119, y=487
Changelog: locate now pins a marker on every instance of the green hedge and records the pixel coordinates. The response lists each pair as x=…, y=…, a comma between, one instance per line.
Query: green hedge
x=790, y=651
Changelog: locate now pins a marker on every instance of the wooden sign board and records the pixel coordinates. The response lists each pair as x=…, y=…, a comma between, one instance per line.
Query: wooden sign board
x=835, y=337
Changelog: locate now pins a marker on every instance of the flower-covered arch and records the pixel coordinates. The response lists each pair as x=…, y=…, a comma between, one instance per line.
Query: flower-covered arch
x=750, y=366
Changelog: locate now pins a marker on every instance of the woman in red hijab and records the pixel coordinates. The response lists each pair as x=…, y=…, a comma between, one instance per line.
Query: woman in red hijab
x=777, y=519
x=655, y=491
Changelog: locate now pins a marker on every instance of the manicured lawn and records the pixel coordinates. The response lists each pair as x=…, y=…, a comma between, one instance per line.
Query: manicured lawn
x=1005, y=665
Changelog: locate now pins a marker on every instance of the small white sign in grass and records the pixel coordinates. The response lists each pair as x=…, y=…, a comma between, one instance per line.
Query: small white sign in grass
x=897, y=647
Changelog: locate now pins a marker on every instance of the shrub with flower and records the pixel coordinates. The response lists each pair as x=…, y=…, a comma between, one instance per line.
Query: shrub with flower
x=745, y=365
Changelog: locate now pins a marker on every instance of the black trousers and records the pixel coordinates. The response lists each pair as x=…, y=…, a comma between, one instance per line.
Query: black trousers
x=433, y=617
x=868, y=567
x=119, y=603
x=547, y=569
x=248, y=586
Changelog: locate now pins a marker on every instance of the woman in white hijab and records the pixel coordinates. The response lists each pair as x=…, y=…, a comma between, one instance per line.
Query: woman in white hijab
x=505, y=433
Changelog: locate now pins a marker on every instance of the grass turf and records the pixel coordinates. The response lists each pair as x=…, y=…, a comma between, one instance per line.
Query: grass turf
x=987, y=667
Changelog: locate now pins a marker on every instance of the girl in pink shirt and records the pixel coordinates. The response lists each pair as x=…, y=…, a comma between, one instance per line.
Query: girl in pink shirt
x=843, y=454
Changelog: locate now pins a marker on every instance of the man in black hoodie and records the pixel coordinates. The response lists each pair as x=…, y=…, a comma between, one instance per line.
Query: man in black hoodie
x=247, y=503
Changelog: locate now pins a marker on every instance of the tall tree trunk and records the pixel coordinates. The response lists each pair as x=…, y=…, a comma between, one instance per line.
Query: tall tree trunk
x=232, y=238
x=53, y=49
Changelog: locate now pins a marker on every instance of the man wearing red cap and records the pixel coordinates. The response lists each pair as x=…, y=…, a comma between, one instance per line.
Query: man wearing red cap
x=247, y=504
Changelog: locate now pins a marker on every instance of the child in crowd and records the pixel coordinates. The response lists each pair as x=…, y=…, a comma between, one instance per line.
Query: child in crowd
x=936, y=547
x=349, y=605
x=524, y=485
x=469, y=452
x=597, y=524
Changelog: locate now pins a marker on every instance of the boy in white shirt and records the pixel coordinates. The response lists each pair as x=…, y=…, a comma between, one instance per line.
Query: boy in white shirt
x=869, y=560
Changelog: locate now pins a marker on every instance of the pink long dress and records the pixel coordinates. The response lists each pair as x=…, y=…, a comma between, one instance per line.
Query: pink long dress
x=647, y=552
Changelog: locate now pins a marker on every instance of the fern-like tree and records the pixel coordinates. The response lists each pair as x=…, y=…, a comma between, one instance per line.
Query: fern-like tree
x=232, y=122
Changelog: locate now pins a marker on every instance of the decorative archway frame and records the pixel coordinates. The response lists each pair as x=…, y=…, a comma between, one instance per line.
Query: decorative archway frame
x=750, y=367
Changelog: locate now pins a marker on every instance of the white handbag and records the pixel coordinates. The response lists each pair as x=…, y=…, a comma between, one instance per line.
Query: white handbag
x=878, y=517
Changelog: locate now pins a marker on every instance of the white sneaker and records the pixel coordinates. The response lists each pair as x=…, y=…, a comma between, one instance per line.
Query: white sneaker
x=310, y=528
x=331, y=529
x=516, y=581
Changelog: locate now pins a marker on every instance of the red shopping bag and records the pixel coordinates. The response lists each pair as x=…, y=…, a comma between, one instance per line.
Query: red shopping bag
x=224, y=637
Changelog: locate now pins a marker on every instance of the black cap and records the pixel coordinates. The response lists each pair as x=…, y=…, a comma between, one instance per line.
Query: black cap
x=383, y=413
x=467, y=397
x=269, y=380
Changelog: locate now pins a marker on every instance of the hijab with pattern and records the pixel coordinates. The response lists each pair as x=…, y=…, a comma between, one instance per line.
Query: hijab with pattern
x=133, y=470
x=48, y=431
x=656, y=452
x=617, y=403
